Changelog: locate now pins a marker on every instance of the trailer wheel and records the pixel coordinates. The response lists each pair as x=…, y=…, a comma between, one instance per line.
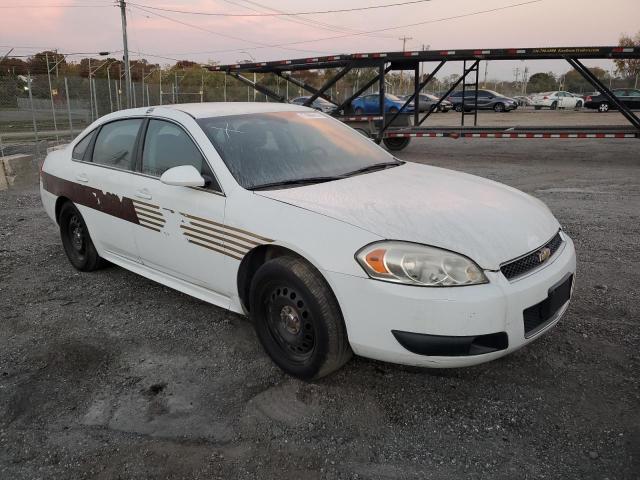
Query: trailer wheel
x=396, y=143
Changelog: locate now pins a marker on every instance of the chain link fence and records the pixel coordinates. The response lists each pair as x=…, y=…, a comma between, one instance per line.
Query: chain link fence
x=40, y=111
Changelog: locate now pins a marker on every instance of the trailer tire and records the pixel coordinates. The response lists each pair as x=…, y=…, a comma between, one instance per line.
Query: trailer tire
x=396, y=144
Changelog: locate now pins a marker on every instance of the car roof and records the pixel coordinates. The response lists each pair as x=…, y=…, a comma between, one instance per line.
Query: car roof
x=215, y=109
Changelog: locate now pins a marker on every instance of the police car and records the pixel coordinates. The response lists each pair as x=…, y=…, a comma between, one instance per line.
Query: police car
x=327, y=242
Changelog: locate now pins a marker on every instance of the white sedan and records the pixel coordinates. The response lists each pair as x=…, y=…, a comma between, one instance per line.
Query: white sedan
x=330, y=245
x=554, y=100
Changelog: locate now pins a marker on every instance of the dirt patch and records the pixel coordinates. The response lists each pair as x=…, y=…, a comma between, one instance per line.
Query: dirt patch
x=108, y=375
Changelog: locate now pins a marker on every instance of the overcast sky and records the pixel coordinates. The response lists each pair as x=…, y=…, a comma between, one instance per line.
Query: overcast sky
x=94, y=25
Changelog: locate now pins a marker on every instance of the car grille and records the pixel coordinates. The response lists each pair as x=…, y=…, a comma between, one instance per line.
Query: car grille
x=532, y=260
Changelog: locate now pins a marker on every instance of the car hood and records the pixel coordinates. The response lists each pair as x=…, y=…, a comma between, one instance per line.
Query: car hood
x=484, y=220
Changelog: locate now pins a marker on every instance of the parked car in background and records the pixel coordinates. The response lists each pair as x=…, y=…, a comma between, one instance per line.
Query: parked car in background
x=628, y=96
x=523, y=100
x=558, y=99
x=326, y=241
x=319, y=103
x=487, y=100
x=370, y=104
x=427, y=101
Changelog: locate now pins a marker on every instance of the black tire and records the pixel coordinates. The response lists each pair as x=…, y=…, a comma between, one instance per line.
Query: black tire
x=554, y=105
x=458, y=107
x=359, y=111
x=297, y=318
x=537, y=107
x=603, y=107
x=498, y=107
x=396, y=143
x=578, y=105
x=76, y=240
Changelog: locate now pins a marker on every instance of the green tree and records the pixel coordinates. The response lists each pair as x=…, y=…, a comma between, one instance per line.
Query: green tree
x=541, y=82
x=629, y=67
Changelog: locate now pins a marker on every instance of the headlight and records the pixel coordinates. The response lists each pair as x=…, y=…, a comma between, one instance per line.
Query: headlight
x=414, y=264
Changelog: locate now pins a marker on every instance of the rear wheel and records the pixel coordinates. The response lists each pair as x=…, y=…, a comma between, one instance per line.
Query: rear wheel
x=297, y=318
x=396, y=143
x=578, y=105
x=76, y=240
x=603, y=107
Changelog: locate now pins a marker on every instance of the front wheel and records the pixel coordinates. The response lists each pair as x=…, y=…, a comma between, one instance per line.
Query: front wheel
x=458, y=108
x=498, y=107
x=359, y=111
x=554, y=105
x=297, y=318
x=603, y=107
x=578, y=105
x=76, y=241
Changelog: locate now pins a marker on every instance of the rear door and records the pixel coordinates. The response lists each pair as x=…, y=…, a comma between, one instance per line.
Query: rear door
x=103, y=176
x=180, y=227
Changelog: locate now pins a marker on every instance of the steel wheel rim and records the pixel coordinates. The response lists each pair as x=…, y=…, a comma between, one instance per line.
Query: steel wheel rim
x=290, y=323
x=76, y=232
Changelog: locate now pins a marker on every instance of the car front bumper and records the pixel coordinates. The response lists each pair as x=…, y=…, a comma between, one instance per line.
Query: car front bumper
x=466, y=325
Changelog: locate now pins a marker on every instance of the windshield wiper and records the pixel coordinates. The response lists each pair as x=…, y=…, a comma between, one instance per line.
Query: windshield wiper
x=297, y=181
x=373, y=168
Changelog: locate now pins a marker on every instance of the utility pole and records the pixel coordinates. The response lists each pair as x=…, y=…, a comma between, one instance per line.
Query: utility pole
x=125, y=46
x=404, y=42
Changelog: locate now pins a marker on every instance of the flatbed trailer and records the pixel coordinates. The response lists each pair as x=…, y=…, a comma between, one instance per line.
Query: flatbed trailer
x=396, y=129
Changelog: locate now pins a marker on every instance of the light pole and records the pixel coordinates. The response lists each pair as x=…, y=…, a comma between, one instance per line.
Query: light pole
x=254, y=73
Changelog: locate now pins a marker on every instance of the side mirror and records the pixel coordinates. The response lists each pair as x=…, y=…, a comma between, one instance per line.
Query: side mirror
x=183, y=176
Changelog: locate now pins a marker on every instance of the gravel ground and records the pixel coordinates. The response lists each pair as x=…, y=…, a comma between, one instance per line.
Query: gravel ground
x=108, y=375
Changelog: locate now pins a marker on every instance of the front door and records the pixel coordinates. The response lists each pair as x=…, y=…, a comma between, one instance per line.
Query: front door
x=179, y=226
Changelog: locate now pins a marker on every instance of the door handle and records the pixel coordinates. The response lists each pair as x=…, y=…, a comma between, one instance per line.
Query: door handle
x=144, y=193
x=82, y=177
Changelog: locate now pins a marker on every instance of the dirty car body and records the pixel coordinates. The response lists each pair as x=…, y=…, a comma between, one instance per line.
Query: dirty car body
x=325, y=240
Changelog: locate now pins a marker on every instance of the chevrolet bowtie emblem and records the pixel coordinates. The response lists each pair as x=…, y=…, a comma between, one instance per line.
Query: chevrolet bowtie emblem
x=544, y=254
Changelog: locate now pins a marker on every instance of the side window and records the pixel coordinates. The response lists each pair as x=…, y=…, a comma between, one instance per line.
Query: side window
x=81, y=147
x=115, y=143
x=166, y=145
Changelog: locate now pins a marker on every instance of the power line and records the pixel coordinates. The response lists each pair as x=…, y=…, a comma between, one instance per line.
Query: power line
x=302, y=21
x=281, y=14
x=386, y=29
x=212, y=32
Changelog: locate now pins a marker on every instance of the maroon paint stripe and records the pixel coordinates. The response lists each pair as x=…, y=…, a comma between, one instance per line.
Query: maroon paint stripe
x=90, y=197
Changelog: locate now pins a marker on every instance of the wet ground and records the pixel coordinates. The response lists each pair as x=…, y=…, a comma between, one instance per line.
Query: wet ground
x=108, y=375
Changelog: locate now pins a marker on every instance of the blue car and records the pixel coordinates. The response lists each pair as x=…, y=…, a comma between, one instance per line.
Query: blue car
x=370, y=104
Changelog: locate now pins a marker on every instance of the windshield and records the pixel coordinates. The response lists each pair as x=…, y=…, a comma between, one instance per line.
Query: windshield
x=267, y=148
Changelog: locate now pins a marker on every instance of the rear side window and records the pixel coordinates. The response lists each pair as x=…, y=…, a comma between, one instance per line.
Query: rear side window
x=81, y=147
x=115, y=143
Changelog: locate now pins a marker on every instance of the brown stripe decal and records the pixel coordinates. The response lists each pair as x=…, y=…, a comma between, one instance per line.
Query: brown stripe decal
x=214, y=249
x=200, y=219
x=90, y=197
x=250, y=243
x=146, y=204
x=237, y=244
